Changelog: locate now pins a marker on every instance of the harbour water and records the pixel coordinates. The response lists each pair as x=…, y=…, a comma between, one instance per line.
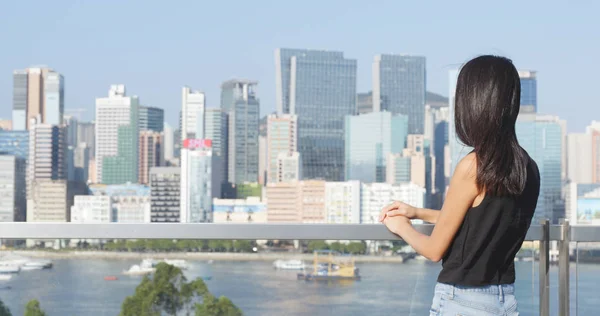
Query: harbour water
x=77, y=287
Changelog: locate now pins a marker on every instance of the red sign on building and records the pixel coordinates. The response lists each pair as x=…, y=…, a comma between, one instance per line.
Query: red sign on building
x=197, y=143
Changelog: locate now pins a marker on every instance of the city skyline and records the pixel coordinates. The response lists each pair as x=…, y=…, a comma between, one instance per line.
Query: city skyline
x=167, y=74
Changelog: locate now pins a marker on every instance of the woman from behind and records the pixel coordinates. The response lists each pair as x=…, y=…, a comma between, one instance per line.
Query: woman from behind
x=490, y=202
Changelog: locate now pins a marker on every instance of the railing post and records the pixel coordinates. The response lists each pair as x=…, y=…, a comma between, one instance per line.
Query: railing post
x=544, y=269
x=563, y=269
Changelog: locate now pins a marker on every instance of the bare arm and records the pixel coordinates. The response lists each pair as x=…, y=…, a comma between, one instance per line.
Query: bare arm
x=461, y=195
x=427, y=215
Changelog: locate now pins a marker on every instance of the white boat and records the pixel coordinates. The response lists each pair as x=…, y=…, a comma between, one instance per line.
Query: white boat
x=289, y=265
x=139, y=270
x=5, y=277
x=37, y=265
x=9, y=268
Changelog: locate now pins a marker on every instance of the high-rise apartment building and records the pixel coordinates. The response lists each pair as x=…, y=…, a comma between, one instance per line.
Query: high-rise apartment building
x=594, y=131
x=579, y=158
x=239, y=101
x=319, y=87
x=364, y=103
x=282, y=138
x=196, y=181
x=342, y=202
x=150, y=153
x=542, y=137
x=192, y=113
x=528, y=91
x=216, y=129
x=47, y=152
x=38, y=93
x=289, y=167
x=78, y=162
x=117, y=137
x=91, y=209
x=399, y=87
x=49, y=201
x=369, y=139
x=86, y=133
x=168, y=143
x=165, y=184
x=13, y=199
x=299, y=202
x=151, y=119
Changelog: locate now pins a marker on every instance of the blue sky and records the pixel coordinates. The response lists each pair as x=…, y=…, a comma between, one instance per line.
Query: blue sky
x=156, y=47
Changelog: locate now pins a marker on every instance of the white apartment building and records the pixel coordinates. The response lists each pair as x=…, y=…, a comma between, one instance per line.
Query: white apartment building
x=92, y=209
x=342, y=202
x=375, y=196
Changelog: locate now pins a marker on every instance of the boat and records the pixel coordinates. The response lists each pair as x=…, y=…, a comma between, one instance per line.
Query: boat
x=5, y=277
x=110, y=278
x=289, y=265
x=139, y=270
x=8, y=269
x=331, y=266
x=37, y=265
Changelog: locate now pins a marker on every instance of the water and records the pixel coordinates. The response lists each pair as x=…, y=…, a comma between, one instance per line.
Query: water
x=77, y=287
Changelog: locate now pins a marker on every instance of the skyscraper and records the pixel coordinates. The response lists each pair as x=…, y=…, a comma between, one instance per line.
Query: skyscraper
x=594, y=131
x=319, y=87
x=364, y=103
x=150, y=153
x=542, y=137
x=192, y=114
x=47, y=152
x=196, y=178
x=528, y=91
x=282, y=137
x=13, y=200
x=399, y=86
x=289, y=167
x=117, y=137
x=216, y=129
x=579, y=158
x=86, y=133
x=169, y=142
x=38, y=93
x=151, y=118
x=369, y=138
x=239, y=101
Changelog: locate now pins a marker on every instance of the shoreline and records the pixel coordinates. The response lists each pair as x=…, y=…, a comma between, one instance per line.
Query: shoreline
x=205, y=256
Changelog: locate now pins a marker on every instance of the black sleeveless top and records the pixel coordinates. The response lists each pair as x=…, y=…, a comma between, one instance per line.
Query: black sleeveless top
x=484, y=248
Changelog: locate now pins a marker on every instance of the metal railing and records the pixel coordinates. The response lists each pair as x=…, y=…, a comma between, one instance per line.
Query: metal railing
x=544, y=233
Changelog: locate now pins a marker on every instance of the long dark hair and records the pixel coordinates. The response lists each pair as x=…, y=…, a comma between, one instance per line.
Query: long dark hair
x=487, y=103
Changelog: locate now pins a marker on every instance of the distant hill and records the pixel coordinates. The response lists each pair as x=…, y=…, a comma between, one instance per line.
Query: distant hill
x=435, y=100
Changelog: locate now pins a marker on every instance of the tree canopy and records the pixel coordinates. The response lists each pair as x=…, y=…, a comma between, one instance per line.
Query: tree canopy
x=169, y=292
x=33, y=308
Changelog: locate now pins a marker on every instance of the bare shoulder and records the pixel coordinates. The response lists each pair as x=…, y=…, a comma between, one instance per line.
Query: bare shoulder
x=467, y=167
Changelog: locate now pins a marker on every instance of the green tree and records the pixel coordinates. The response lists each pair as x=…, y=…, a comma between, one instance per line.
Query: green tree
x=337, y=246
x=317, y=245
x=33, y=308
x=169, y=292
x=356, y=247
x=242, y=246
x=4, y=311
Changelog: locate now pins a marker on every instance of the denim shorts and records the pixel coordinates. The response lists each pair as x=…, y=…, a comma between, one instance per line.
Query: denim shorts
x=490, y=300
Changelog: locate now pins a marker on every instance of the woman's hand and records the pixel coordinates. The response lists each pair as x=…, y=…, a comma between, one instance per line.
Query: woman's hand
x=398, y=209
x=395, y=224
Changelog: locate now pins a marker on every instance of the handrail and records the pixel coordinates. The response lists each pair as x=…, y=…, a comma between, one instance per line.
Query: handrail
x=19, y=230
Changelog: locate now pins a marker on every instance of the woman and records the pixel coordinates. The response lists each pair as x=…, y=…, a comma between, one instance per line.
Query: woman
x=490, y=201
